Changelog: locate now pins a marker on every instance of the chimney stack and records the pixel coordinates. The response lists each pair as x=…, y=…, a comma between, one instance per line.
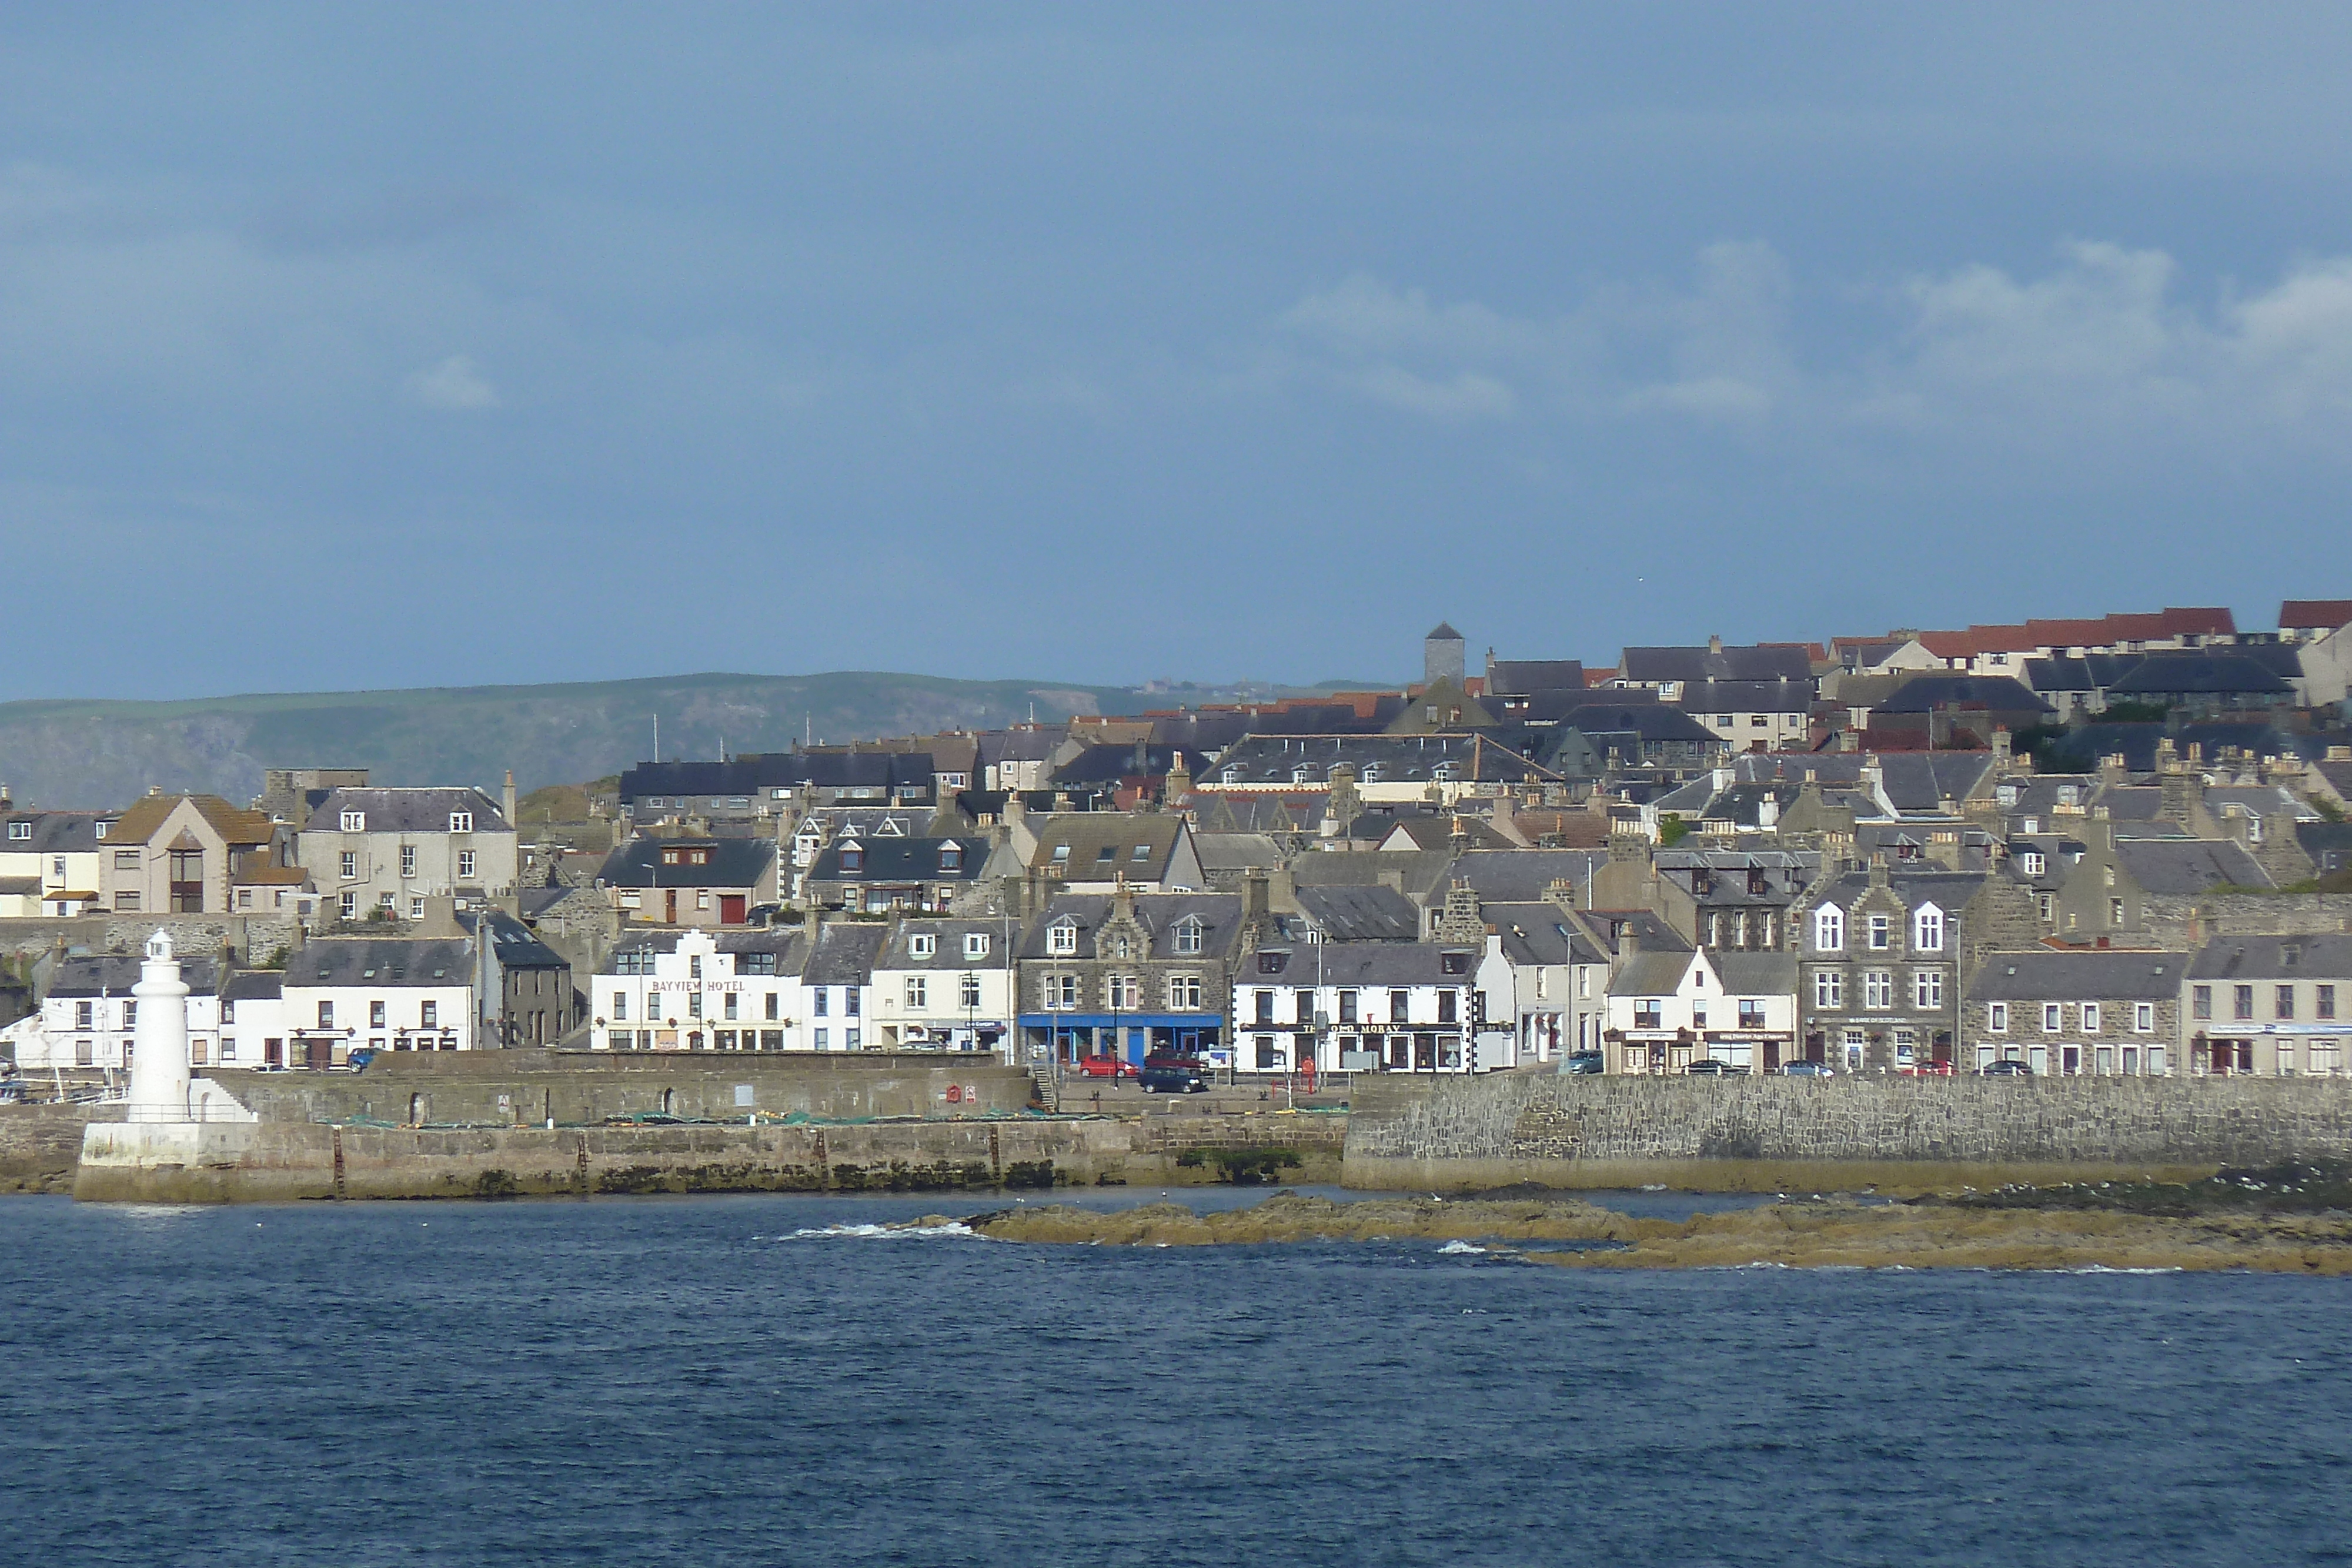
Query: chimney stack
x=507, y=801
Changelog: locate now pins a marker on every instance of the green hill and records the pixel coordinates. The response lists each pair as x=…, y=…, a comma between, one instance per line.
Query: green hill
x=103, y=753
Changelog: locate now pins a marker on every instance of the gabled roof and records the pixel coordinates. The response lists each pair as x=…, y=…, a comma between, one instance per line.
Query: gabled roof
x=113, y=974
x=1219, y=914
x=2324, y=956
x=1931, y=691
x=947, y=934
x=379, y=961
x=844, y=954
x=1521, y=876
x=139, y=824
x=2200, y=674
x=2315, y=614
x=886, y=859
x=511, y=942
x=2088, y=975
x=399, y=810
x=1360, y=913
x=1373, y=965
x=1540, y=933
x=2189, y=865
x=1759, y=662
x=731, y=863
x=1136, y=846
x=52, y=832
x=1527, y=676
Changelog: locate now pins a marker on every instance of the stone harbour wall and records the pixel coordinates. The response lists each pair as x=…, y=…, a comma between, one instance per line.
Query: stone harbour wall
x=516, y=1087
x=40, y=1144
x=1779, y=1134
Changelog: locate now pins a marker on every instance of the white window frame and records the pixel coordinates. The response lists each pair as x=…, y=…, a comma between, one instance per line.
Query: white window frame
x=465, y=862
x=2143, y=1018
x=922, y=945
x=461, y=822
x=1187, y=936
x=1828, y=987
x=1927, y=989
x=975, y=945
x=1997, y=1017
x=1829, y=929
x=2053, y=1018
x=1877, y=991
x=1062, y=938
x=1927, y=929
x=918, y=992
x=2094, y=1016
x=354, y=821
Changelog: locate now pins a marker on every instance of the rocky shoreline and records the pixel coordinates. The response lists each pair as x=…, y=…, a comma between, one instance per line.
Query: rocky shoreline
x=2236, y=1221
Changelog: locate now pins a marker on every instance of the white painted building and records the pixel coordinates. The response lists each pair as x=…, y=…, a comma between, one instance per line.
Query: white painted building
x=371, y=849
x=946, y=984
x=1670, y=1009
x=89, y=1018
x=700, y=990
x=342, y=994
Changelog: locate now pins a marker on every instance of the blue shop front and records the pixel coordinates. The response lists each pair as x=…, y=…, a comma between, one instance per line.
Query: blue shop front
x=1072, y=1037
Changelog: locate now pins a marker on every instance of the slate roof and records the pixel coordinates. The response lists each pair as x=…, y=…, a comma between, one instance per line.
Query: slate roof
x=1914, y=781
x=1931, y=692
x=1947, y=890
x=2200, y=675
x=513, y=942
x=844, y=954
x=787, y=943
x=1761, y=662
x=1107, y=765
x=1374, y=965
x=1521, y=876
x=1541, y=933
x=734, y=862
x=2329, y=845
x=749, y=776
x=1214, y=813
x=1279, y=758
x=895, y=860
x=1360, y=913
x=947, y=932
x=254, y=985
x=2084, y=748
x=1521, y=676
x=2324, y=956
x=1236, y=851
x=1445, y=831
x=113, y=974
x=2088, y=975
x=53, y=832
x=1784, y=696
x=1220, y=915
x=1104, y=843
x=399, y=811
x=2189, y=865
x=379, y=961
x=1420, y=871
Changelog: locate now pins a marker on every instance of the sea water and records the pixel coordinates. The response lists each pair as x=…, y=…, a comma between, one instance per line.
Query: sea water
x=774, y=1380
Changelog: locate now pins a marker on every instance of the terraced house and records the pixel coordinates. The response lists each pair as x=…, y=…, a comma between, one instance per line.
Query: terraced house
x=2273, y=1006
x=1126, y=974
x=2097, y=1011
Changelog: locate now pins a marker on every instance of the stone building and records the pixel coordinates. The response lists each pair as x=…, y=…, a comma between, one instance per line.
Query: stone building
x=1127, y=974
x=2107, y=1012
x=1884, y=957
x=370, y=850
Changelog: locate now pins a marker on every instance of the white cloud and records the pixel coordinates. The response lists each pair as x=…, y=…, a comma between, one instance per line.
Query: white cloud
x=457, y=382
x=2101, y=350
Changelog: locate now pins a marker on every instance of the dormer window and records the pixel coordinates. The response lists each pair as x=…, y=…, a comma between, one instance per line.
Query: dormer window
x=853, y=857
x=1303, y=773
x=1829, y=929
x=975, y=945
x=1371, y=773
x=461, y=822
x=1062, y=938
x=2032, y=862
x=950, y=857
x=19, y=831
x=355, y=821
x=1187, y=935
x=99, y=829
x=1232, y=775
x=922, y=945
x=1444, y=772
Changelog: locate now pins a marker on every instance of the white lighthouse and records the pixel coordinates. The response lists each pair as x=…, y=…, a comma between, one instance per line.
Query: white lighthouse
x=159, y=1038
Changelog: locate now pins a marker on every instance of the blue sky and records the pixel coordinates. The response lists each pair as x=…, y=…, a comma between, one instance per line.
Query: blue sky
x=449, y=345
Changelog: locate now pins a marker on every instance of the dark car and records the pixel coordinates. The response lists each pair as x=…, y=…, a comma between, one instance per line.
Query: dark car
x=1712, y=1068
x=1107, y=1067
x=1167, y=1077
x=2005, y=1070
x=1807, y=1070
x=1583, y=1062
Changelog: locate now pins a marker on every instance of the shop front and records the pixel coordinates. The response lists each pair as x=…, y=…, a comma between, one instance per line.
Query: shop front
x=1073, y=1037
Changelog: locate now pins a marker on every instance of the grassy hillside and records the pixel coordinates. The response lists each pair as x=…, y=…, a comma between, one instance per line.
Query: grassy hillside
x=100, y=754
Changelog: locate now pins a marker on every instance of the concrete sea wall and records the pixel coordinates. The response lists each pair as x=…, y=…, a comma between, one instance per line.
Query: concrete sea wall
x=1786, y=1134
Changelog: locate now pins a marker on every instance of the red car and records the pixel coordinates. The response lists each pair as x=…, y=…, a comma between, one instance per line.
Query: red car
x=1107, y=1067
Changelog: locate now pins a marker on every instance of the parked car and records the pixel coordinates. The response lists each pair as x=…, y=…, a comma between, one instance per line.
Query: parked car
x=1107, y=1067
x=1158, y=1078
x=358, y=1060
x=1927, y=1070
x=1584, y=1061
x=1807, y=1070
x=2005, y=1070
x=1713, y=1068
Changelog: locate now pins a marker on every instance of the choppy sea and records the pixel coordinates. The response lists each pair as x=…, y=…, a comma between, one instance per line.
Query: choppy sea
x=766, y=1380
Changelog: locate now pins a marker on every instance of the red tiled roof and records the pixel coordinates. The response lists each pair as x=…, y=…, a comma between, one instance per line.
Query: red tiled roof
x=2314, y=613
x=2106, y=631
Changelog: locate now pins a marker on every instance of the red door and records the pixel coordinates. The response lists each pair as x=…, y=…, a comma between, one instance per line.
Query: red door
x=731, y=909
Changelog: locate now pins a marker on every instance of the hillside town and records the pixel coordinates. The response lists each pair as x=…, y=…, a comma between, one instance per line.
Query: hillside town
x=2109, y=847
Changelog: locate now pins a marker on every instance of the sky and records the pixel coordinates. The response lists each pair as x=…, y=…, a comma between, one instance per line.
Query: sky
x=352, y=347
